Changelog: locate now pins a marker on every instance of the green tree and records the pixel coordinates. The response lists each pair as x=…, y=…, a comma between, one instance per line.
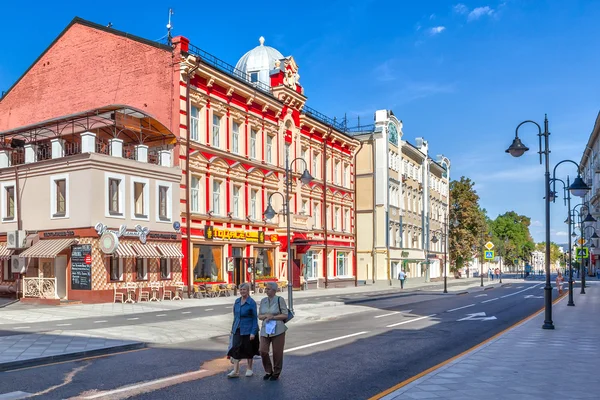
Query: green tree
x=510, y=235
x=554, y=251
x=467, y=222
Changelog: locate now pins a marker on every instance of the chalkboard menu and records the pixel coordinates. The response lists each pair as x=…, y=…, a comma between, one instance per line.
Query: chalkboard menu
x=81, y=267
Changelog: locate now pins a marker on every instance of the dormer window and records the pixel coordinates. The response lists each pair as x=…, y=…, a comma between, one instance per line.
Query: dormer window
x=253, y=77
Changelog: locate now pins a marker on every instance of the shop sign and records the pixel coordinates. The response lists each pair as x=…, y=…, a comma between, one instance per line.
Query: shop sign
x=404, y=254
x=81, y=269
x=141, y=233
x=210, y=232
x=274, y=237
x=170, y=236
x=58, y=234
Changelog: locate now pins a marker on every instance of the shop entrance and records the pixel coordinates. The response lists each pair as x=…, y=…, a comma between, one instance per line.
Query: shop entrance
x=243, y=270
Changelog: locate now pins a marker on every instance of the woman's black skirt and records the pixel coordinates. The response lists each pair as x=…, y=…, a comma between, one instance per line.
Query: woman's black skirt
x=242, y=347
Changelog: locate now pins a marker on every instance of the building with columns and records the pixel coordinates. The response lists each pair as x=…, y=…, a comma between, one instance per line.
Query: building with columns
x=402, y=200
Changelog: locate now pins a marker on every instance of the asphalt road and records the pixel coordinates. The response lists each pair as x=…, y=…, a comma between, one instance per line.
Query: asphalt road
x=195, y=310
x=353, y=357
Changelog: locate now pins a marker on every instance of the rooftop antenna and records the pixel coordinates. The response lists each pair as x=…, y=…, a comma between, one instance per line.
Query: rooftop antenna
x=109, y=25
x=169, y=27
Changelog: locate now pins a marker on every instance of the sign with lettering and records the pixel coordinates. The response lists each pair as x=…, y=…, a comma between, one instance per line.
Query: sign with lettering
x=81, y=268
x=58, y=234
x=210, y=232
x=140, y=232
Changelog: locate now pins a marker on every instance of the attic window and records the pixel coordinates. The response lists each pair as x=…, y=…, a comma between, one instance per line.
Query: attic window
x=254, y=77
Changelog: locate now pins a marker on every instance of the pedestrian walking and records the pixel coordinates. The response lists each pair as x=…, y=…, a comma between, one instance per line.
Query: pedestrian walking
x=559, y=283
x=272, y=312
x=401, y=277
x=244, y=331
x=497, y=272
x=491, y=274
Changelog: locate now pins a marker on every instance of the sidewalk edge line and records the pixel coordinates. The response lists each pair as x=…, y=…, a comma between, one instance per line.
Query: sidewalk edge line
x=78, y=356
x=448, y=361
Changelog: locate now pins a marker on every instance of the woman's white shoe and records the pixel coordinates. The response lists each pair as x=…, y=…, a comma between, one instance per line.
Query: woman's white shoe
x=249, y=373
x=233, y=374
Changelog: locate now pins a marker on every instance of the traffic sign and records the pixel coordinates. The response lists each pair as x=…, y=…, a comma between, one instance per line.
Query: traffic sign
x=582, y=252
x=489, y=245
x=581, y=241
x=489, y=255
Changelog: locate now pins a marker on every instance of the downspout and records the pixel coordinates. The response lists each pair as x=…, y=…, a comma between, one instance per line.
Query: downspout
x=355, y=216
x=324, y=206
x=188, y=224
x=374, y=264
x=19, y=227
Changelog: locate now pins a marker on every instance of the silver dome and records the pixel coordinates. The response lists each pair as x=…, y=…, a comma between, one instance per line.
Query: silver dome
x=261, y=60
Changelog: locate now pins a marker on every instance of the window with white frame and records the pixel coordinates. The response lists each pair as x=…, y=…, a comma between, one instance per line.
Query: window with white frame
x=216, y=197
x=347, y=221
x=269, y=149
x=316, y=215
x=235, y=138
x=141, y=269
x=115, y=266
x=391, y=236
x=140, y=203
x=195, y=194
x=165, y=268
x=345, y=176
x=195, y=123
x=336, y=172
x=312, y=265
x=254, y=204
x=59, y=192
x=216, y=130
x=329, y=221
x=164, y=201
x=236, y=201
x=115, y=195
x=315, y=164
x=342, y=264
x=253, y=135
x=304, y=209
x=303, y=153
x=336, y=219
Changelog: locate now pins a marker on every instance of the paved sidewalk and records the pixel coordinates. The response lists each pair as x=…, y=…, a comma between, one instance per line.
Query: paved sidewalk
x=526, y=362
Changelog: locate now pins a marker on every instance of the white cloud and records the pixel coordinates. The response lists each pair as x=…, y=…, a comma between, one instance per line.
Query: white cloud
x=561, y=233
x=479, y=12
x=536, y=223
x=460, y=9
x=436, y=30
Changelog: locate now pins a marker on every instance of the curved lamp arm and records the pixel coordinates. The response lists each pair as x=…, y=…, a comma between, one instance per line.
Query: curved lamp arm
x=566, y=193
x=517, y=148
x=269, y=211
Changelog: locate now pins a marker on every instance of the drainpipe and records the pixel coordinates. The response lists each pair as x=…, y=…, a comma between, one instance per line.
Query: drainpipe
x=355, y=215
x=188, y=224
x=374, y=263
x=324, y=207
x=19, y=226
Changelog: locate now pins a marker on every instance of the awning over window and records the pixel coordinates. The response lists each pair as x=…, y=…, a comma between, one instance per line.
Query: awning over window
x=146, y=251
x=125, y=251
x=5, y=252
x=170, y=250
x=47, y=248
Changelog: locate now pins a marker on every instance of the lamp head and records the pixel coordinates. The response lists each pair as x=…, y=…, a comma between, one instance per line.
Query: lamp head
x=552, y=196
x=269, y=212
x=517, y=148
x=434, y=239
x=578, y=187
x=589, y=218
x=306, y=177
x=594, y=236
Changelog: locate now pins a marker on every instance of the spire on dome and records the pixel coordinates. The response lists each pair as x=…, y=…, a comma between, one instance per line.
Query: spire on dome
x=261, y=40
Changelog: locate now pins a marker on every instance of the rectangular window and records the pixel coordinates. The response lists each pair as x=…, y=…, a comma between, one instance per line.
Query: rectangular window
x=342, y=264
x=194, y=123
x=141, y=269
x=269, y=149
x=336, y=218
x=6, y=272
x=315, y=164
x=9, y=203
x=303, y=155
x=347, y=221
x=116, y=268
x=253, y=143
x=138, y=199
x=216, y=130
x=236, y=201
x=253, y=77
x=165, y=268
x=195, y=194
x=316, y=215
x=216, y=206
x=304, y=207
x=235, y=138
x=328, y=219
x=163, y=208
x=61, y=194
x=312, y=265
x=253, y=204
x=345, y=177
x=336, y=173
x=208, y=263
x=114, y=197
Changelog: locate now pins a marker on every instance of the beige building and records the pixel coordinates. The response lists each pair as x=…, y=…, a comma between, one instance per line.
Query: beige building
x=402, y=200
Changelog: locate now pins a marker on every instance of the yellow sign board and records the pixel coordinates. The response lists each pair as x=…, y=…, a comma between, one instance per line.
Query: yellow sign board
x=489, y=245
x=211, y=232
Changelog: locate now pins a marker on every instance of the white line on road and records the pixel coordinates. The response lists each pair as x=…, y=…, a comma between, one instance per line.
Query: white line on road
x=141, y=385
x=519, y=287
x=22, y=327
x=520, y=291
x=161, y=315
x=387, y=315
x=481, y=295
x=494, y=299
x=409, y=321
x=460, y=308
x=186, y=312
x=132, y=319
x=208, y=309
x=324, y=341
x=14, y=395
x=99, y=322
x=63, y=324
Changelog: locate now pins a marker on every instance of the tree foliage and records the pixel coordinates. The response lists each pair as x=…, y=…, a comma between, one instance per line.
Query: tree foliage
x=554, y=251
x=469, y=219
x=511, y=237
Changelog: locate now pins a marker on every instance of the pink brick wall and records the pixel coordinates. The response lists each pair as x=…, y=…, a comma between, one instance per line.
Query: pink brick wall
x=88, y=68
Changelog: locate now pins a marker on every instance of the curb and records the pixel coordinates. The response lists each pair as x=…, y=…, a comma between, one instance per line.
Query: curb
x=34, y=362
x=9, y=303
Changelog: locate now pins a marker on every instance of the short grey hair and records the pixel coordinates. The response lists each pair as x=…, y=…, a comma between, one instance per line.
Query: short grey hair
x=272, y=285
x=245, y=285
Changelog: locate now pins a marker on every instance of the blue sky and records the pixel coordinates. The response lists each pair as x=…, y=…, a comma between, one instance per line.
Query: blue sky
x=461, y=74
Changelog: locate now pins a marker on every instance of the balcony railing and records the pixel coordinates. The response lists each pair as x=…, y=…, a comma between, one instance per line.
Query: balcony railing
x=42, y=288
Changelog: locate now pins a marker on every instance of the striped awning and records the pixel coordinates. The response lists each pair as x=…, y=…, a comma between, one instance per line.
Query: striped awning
x=170, y=250
x=5, y=252
x=47, y=248
x=125, y=251
x=146, y=251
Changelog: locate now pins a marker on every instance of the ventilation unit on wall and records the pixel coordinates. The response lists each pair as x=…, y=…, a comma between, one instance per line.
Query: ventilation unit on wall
x=16, y=240
x=17, y=265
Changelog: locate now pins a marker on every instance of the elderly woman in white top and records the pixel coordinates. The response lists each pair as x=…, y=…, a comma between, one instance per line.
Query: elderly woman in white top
x=272, y=312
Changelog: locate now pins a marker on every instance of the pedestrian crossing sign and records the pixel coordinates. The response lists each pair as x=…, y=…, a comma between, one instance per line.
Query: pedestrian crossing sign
x=489, y=255
x=582, y=252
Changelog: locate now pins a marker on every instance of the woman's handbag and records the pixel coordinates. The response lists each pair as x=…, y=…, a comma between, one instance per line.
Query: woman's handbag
x=290, y=312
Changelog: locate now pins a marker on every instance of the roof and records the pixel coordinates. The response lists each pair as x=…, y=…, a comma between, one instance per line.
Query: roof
x=260, y=59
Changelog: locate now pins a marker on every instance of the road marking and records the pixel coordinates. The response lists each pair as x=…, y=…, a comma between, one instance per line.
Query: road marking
x=387, y=315
x=15, y=395
x=145, y=384
x=132, y=319
x=520, y=291
x=409, y=321
x=63, y=324
x=99, y=322
x=487, y=301
x=208, y=309
x=161, y=315
x=22, y=327
x=325, y=341
x=519, y=287
x=530, y=296
x=480, y=316
x=186, y=312
x=460, y=308
x=481, y=295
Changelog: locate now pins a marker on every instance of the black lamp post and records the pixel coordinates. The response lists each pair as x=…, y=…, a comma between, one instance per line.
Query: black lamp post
x=583, y=220
x=444, y=235
x=517, y=149
x=567, y=199
x=269, y=213
x=483, y=236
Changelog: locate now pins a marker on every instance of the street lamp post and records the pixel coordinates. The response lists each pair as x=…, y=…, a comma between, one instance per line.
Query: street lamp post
x=583, y=220
x=567, y=199
x=444, y=235
x=593, y=236
x=517, y=149
x=483, y=236
x=269, y=213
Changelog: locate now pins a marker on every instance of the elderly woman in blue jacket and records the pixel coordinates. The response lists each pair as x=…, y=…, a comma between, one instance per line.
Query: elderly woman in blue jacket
x=244, y=343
